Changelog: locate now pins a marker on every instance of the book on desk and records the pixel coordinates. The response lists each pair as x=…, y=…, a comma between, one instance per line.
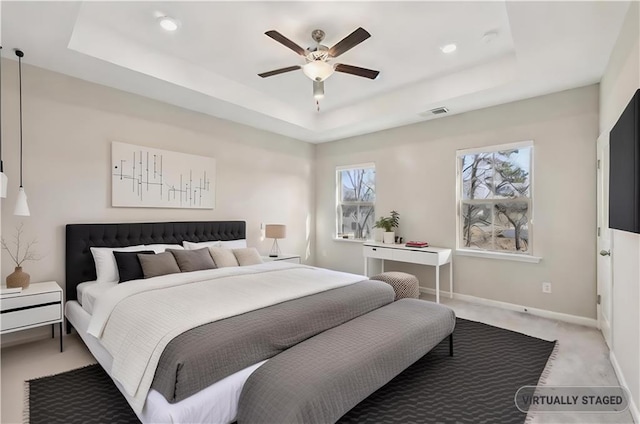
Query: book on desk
x=416, y=244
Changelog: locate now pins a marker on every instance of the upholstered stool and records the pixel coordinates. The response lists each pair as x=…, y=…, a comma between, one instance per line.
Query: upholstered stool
x=405, y=285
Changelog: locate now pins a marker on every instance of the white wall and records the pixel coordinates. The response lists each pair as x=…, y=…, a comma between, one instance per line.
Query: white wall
x=619, y=83
x=415, y=175
x=68, y=127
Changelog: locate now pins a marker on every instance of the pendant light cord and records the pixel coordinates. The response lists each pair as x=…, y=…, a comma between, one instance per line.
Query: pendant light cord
x=1, y=162
x=20, y=54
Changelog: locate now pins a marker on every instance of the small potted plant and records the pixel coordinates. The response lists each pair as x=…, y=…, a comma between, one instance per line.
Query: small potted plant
x=19, y=278
x=388, y=223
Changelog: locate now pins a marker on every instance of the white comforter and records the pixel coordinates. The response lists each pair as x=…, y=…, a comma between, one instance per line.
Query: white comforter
x=136, y=320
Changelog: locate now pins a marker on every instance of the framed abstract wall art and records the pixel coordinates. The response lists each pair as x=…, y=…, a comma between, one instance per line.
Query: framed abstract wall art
x=152, y=178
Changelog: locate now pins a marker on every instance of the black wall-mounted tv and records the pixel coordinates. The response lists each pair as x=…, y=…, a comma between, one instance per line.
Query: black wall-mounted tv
x=624, y=169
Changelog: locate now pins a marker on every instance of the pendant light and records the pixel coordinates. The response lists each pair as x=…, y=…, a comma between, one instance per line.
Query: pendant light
x=22, y=208
x=4, y=181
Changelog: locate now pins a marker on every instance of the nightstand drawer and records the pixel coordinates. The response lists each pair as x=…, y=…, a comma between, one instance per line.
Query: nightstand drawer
x=29, y=300
x=26, y=317
x=295, y=260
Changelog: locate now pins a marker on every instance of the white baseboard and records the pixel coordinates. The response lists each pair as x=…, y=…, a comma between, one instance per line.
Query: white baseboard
x=574, y=319
x=633, y=408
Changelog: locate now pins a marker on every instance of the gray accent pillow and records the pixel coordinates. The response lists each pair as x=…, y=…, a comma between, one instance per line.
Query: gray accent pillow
x=247, y=256
x=223, y=257
x=193, y=260
x=158, y=264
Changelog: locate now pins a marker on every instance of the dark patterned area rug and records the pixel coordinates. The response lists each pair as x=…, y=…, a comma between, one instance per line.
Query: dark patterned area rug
x=477, y=385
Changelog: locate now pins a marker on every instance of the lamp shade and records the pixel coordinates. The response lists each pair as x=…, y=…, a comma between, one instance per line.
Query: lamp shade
x=275, y=231
x=5, y=182
x=22, y=208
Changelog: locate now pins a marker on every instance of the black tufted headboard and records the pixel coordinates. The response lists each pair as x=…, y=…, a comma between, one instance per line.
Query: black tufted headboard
x=80, y=237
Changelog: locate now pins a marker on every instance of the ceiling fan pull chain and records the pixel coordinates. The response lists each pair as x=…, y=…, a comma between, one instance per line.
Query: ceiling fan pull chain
x=318, y=105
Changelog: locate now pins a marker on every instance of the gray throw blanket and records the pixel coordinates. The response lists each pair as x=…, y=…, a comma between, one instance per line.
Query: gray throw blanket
x=320, y=379
x=206, y=354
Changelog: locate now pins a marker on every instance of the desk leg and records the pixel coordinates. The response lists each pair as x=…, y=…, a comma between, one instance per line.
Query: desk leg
x=437, y=283
x=61, y=337
x=53, y=329
x=366, y=263
x=451, y=278
x=382, y=266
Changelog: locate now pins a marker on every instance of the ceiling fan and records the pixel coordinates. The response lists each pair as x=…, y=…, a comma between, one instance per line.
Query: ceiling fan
x=317, y=66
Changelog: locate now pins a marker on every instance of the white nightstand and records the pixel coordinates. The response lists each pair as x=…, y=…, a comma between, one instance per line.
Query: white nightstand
x=37, y=305
x=283, y=257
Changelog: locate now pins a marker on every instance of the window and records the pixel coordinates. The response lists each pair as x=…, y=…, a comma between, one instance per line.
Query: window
x=494, y=198
x=356, y=196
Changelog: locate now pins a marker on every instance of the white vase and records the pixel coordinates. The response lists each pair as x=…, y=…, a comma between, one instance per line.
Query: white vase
x=389, y=237
x=378, y=234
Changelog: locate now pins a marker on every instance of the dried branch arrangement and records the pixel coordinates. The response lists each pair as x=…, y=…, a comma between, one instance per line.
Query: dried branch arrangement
x=28, y=254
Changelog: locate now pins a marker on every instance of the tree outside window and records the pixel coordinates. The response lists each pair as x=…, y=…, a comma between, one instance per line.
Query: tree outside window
x=494, y=198
x=356, y=195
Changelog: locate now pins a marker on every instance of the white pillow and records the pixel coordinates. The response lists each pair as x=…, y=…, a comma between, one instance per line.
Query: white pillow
x=106, y=266
x=247, y=256
x=234, y=244
x=159, y=248
x=223, y=257
x=193, y=246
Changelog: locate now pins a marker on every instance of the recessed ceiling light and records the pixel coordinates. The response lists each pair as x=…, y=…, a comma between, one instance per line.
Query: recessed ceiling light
x=449, y=48
x=489, y=36
x=168, y=23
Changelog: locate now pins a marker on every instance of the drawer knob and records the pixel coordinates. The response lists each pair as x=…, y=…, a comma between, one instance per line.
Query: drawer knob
x=374, y=249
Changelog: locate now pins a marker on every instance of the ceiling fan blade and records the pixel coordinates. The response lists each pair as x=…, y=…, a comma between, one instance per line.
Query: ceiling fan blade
x=285, y=42
x=279, y=71
x=348, y=42
x=354, y=70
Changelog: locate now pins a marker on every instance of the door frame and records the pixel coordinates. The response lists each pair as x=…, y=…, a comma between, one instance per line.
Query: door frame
x=604, y=241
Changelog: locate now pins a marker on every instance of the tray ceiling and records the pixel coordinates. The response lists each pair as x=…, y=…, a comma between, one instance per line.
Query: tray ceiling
x=210, y=64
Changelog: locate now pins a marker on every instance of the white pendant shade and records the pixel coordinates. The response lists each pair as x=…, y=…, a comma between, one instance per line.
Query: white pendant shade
x=22, y=208
x=5, y=183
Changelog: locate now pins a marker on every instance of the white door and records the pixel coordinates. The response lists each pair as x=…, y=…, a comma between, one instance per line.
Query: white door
x=604, y=276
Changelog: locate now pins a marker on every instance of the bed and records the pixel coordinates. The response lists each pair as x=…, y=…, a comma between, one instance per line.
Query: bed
x=80, y=269
x=166, y=387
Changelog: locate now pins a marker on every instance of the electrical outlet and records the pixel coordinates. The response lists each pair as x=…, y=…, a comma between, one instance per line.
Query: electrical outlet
x=546, y=287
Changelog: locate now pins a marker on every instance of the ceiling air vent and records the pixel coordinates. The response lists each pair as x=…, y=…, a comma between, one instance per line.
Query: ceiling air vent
x=436, y=111
x=439, y=110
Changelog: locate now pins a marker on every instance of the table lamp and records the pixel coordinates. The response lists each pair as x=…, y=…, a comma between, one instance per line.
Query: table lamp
x=275, y=231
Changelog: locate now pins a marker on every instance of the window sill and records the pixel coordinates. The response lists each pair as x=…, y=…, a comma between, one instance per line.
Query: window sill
x=497, y=255
x=349, y=240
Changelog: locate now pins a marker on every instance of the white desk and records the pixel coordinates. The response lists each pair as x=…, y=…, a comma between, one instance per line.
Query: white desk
x=433, y=256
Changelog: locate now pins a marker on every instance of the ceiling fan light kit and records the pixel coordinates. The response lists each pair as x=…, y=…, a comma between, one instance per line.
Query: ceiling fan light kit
x=318, y=70
x=317, y=66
